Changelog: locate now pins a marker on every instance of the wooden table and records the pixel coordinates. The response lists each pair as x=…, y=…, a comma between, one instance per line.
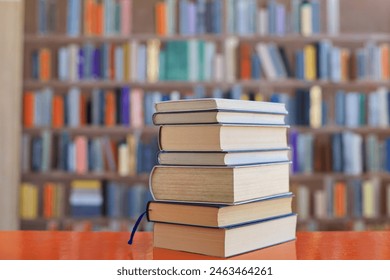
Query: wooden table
x=66, y=245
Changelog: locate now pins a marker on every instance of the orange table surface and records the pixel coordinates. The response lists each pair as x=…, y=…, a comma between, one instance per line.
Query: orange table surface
x=67, y=245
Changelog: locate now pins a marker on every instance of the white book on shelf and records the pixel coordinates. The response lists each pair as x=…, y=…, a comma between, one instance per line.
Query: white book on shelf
x=218, y=67
x=118, y=63
x=171, y=17
x=73, y=107
x=73, y=51
x=319, y=204
x=333, y=17
x=230, y=59
x=267, y=63
x=352, y=109
x=303, y=203
x=63, y=64
x=123, y=159
x=193, y=60
x=208, y=65
x=134, y=61
x=383, y=107
x=262, y=21
x=373, y=109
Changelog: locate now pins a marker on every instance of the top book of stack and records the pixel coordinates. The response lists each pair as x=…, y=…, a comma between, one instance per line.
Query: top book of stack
x=219, y=111
x=215, y=125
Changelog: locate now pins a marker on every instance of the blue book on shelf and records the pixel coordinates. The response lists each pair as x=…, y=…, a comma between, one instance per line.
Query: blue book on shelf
x=337, y=153
x=37, y=153
x=241, y=11
x=119, y=63
x=300, y=65
x=96, y=64
x=272, y=17
x=323, y=59
x=105, y=61
x=255, y=66
x=35, y=65
x=340, y=108
x=316, y=16
x=42, y=17
x=280, y=19
x=81, y=211
x=125, y=106
x=81, y=64
x=183, y=17
x=361, y=64
x=201, y=16
x=191, y=20
x=73, y=18
x=335, y=64
x=135, y=201
x=216, y=16
x=387, y=158
x=88, y=60
x=324, y=116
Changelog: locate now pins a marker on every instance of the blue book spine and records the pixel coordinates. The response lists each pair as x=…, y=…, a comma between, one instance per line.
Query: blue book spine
x=323, y=60
x=316, y=16
x=340, y=108
x=35, y=65
x=183, y=9
x=272, y=17
x=388, y=155
x=299, y=65
x=201, y=17
x=125, y=106
x=255, y=66
x=217, y=16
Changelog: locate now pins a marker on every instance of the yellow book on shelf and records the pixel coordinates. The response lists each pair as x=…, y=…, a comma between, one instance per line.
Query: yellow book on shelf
x=315, y=107
x=153, y=50
x=86, y=184
x=368, y=199
x=310, y=63
x=28, y=201
x=259, y=96
x=126, y=62
x=132, y=156
x=306, y=19
x=123, y=162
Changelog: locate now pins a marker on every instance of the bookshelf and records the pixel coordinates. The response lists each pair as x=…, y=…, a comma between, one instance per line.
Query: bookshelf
x=11, y=42
x=353, y=34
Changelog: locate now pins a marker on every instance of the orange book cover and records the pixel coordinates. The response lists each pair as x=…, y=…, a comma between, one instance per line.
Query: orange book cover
x=99, y=18
x=112, y=62
x=28, y=109
x=340, y=200
x=45, y=64
x=110, y=110
x=81, y=154
x=88, y=17
x=161, y=24
x=245, y=61
x=48, y=200
x=385, y=56
x=345, y=57
x=58, y=111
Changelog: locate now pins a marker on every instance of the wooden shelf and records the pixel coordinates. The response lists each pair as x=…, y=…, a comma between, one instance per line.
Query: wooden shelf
x=64, y=176
x=175, y=85
x=336, y=176
x=96, y=130
x=335, y=129
x=289, y=38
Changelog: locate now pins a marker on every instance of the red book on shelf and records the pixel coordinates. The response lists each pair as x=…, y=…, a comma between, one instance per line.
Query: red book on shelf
x=110, y=110
x=112, y=62
x=28, y=109
x=45, y=64
x=340, y=200
x=161, y=24
x=245, y=61
x=48, y=195
x=58, y=111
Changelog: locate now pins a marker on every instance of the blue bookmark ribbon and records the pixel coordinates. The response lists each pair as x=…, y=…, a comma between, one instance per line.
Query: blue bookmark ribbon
x=135, y=227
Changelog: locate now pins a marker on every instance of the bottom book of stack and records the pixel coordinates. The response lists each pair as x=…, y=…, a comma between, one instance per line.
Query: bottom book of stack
x=223, y=230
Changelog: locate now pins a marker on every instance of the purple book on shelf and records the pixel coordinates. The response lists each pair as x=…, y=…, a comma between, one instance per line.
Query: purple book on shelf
x=294, y=152
x=280, y=19
x=96, y=73
x=125, y=106
x=81, y=64
x=191, y=18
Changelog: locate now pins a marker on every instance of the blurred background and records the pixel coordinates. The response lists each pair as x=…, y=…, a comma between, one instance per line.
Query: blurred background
x=78, y=80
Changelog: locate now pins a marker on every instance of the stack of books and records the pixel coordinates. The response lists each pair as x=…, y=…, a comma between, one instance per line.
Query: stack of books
x=222, y=184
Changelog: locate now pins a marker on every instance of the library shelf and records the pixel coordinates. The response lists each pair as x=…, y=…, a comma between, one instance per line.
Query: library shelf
x=95, y=130
x=336, y=176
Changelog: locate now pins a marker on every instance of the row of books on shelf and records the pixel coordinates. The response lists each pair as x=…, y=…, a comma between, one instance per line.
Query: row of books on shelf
x=355, y=198
x=246, y=17
x=344, y=152
x=187, y=17
x=126, y=156
x=200, y=60
x=134, y=107
x=83, y=199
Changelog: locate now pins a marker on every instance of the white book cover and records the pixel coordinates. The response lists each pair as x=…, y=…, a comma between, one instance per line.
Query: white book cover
x=265, y=57
x=134, y=61
x=119, y=63
x=74, y=107
x=303, y=203
x=383, y=107
x=333, y=17
x=63, y=64
x=373, y=109
x=231, y=60
x=219, y=67
x=262, y=21
x=73, y=51
x=320, y=204
x=193, y=60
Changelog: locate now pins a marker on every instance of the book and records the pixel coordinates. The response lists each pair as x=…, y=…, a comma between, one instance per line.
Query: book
x=220, y=104
x=225, y=242
x=221, y=137
x=215, y=215
x=217, y=116
x=216, y=184
x=222, y=158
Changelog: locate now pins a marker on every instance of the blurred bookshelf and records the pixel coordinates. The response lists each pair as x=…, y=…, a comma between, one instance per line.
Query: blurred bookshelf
x=86, y=69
